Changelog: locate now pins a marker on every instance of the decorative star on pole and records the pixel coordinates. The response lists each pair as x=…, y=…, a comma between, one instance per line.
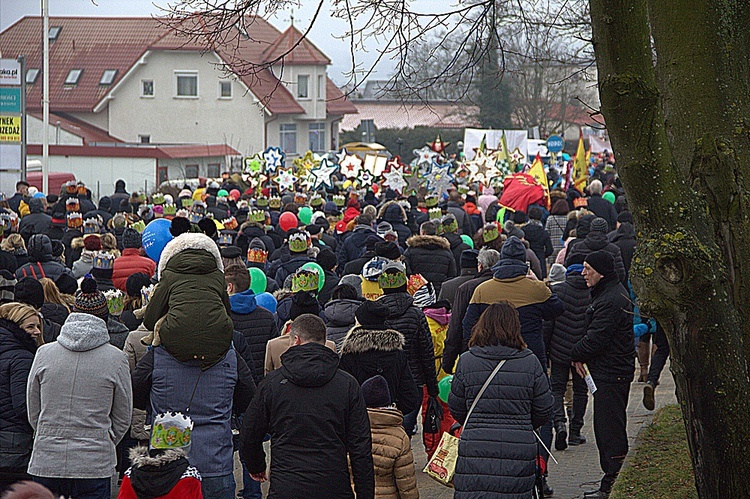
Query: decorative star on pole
x=254, y=165
x=413, y=182
x=425, y=156
x=322, y=175
x=351, y=165
x=439, y=178
x=394, y=179
x=365, y=178
x=341, y=155
x=285, y=179
x=517, y=156
x=275, y=159
x=438, y=145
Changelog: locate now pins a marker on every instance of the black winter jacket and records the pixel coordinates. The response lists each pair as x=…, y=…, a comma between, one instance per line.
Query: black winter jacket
x=430, y=256
x=42, y=263
x=457, y=246
x=356, y=265
x=17, y=350
x=316, y=415
x=354, y=245
x=561, y=333
x=540, y=243
x=608, y=346
x=603, y=209
x=55, y=312
x=366, y=353
x=410, y=321
x=596, y=241
x=331, y=281
x=257, y=325
x=339, y=317
x=497, y=449
x=288, y=268
x=624, y=238
x=449, y=287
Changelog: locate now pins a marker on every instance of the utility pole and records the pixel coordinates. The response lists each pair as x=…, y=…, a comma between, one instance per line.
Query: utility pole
x=45, y=99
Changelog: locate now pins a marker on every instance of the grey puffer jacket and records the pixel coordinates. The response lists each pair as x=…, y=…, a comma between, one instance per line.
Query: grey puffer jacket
x=339, y=316
x=497, y=448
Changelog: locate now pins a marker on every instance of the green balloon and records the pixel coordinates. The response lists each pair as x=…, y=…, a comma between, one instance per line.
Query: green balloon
x=305, y=215
x=222, y=194
x=317, y=268
x=609, y=196
x=465, y=238
x=258, y=280
x=444, y=388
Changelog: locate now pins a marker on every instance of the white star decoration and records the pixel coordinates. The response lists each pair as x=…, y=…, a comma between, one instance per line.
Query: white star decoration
x=425, y=156
x=439, y=178
x=274, y=157
x=351, y=165
x=321, y=175
x=517, y=156
x=285, y=179
x=365, y=178
x=394, y=179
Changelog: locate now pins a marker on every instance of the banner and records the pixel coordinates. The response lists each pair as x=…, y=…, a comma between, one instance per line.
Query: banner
x=10, y=100
x=10, y=72
x=10, y=129
x=517, y=141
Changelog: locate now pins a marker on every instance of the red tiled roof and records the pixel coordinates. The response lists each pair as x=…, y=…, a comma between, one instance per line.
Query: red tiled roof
x=98, y=43
x=88, y=132
x=142, y=151
x=336, y=102
x=198, y=151
x=295, y=49
x=398, y=115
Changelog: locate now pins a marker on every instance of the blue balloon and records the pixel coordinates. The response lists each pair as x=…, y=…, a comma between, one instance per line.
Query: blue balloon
x=155, y=237
x=267, y=301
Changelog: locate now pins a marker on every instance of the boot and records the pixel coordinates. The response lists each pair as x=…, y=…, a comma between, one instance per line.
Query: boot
x=576, y=438
x=644, y=351
x=596, y=494
x=648, y=397
x=561, y=437
x=547, y=490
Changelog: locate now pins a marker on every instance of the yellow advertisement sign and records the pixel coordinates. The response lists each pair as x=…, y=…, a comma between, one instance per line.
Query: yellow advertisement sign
x=10, y=129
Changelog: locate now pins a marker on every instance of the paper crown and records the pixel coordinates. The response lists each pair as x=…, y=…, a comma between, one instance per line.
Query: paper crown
x=81, y=189
x=274, y=202
x=182, y=213
x=195, y=217
x=298, y=242
x=300, y=198
x=72, y=204
x=339, y=200
x=257, y=255
x=580, y=202
x=115, y=301
x=157, y=198
x=91, y=226
x=104, y=261
x=262, y=201
x=416, y=281
x=316, y=200
x=393, y=276
x=226, y=237
x=139, y=226
x=305, y=280
x=450, y=224
x=71, y=187
x=171, y=430
x=430, y=201
x=186, y=202
x=170, y=210
x=435, y=213
x=490, y=232
x=230, y=223
x=5, y=222
x=463, y=189
x=257, y=216
x=75, y=220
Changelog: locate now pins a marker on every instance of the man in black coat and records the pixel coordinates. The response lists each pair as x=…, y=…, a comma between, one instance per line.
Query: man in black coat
x=316, y=416
x=118, y=196
x=468, y=271
x=355, y=266
x=430, y=255
x=624, y=238
x=600, y=206
x=354, y=245
x=560, y=334
x=36, y=222
x=450, y=232
x=597, y=240
x=608, y=351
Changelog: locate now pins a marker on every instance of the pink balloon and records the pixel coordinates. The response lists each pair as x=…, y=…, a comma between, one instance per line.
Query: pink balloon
x=287, y=220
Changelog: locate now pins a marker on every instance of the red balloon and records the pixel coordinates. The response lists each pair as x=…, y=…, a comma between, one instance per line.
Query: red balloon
x=287, y=220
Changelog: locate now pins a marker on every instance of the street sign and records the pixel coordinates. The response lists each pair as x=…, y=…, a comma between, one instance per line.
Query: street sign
x=10, y=72
x=555, y=144
x=10, y=100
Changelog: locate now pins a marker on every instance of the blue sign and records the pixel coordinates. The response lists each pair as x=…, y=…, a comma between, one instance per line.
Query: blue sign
x=555, y=144
x=10, y=100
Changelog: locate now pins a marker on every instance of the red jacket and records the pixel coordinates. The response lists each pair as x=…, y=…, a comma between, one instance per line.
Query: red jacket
x=189, y=487
x=131, y=262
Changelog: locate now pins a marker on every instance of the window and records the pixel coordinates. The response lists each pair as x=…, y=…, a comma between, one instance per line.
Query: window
x=213, y=170
x=73, y=76
x=191, y=171
x=31, y=75
x=321, y=87
x=144, y=139
x=225, y=89
x=317, y=132
x=288, y=137
x=108, y=77
x=186, y=84
x=303, y=84
x=54, y=32
x=162, y=173
x=147, y=88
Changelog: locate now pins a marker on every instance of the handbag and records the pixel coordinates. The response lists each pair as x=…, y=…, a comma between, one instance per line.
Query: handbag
x=433, y=416
x=442, y=466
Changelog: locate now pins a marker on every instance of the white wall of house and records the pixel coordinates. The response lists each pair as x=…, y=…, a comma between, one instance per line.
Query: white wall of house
x=100, y=173
x=57, y=136
x=165, y=117
x=212, y=166
x=320, y=129
x=315, y=102
x=100, y=119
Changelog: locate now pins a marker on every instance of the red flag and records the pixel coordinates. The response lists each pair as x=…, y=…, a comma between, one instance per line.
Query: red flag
x=521, y=190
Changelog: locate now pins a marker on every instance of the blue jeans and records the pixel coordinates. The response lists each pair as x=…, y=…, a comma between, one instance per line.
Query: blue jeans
x=78, y=488
x=251, y=488
x=218, y=487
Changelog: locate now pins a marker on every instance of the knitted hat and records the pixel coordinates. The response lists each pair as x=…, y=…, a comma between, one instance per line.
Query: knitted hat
x=171, y=430
x=602, y=261
x=314, y=229
x=7, y=286
x=511, y=229
x=557, y=273
x=131, y=239
x=29, y=291
x=89, y=300
x=387, y=250
x=330, y=208
x=372, y=315
x=469, y=259
x=354, y=281
x=136, y=282
x=303, y=303
x=376, y=393
x=67, y=284
x=208, y=227
x=513, y=249
x=599, y=225
x=326, y=259
x=92, y=242
x=384, y=227
x=179, y=226
x=393, y=276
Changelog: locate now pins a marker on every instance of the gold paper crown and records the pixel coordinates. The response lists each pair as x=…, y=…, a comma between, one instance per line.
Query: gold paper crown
x=435, y=213
x=75, y=220
x=274, y=202
x=257, y=255
x=300, y=198
x=416, y=281
x=72, y=204
x=305, y=280
x=257, y=216
x=230, y=223
x=339, y=200
x=104, y=261
x=580, y=202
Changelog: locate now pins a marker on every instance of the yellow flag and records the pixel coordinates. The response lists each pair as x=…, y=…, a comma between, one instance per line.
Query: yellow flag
x=537, y=171
x=580, y=166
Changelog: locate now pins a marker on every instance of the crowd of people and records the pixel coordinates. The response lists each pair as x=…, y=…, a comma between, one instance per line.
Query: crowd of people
x=326, y=323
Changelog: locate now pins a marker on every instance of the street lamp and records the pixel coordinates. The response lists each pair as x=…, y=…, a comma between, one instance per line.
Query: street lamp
x=45, y=98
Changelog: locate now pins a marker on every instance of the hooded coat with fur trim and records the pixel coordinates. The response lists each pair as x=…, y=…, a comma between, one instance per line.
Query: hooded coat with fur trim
x=430, y=256
x=393, y=213
x=192, y=294
x=368, y=352
x=167, y=475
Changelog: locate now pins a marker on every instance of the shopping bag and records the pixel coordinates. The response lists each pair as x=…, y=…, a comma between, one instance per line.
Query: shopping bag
x=442, y=466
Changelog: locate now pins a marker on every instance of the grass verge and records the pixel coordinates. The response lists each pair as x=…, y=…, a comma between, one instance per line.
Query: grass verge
x=660, y=465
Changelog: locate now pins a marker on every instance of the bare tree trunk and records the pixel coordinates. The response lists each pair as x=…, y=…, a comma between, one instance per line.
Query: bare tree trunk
x=680, y=270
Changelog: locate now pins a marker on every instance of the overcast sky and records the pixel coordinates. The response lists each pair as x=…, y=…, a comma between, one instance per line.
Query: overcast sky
x=322, y=33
